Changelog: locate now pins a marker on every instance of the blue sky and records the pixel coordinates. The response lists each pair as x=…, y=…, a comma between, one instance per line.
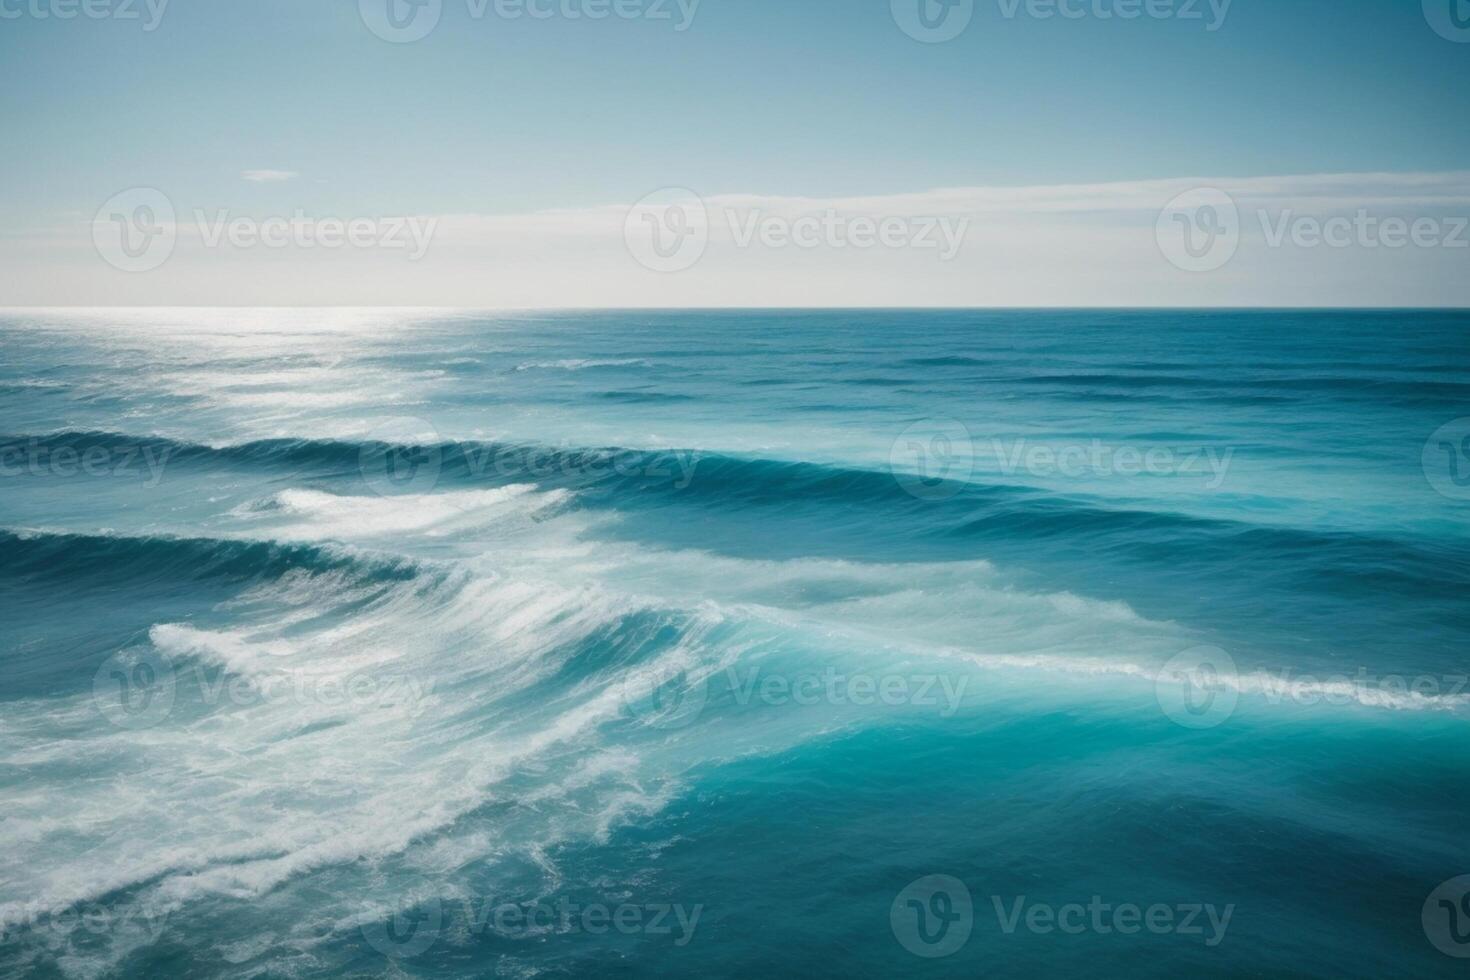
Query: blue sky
x=817, y=98
x=780, y=96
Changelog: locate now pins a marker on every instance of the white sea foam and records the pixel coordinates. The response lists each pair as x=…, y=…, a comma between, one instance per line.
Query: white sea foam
x=1331, y=690
x=294, y=399
x=228, y=650
x=966, y=611
x=580, y=364
x=1268, y=688
x=316, y=515
x=237, y=803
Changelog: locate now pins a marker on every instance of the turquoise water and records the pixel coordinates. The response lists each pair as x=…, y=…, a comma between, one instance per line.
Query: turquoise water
x=374, y=643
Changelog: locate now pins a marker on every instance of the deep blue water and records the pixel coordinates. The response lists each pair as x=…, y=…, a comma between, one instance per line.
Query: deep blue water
x=373, y=643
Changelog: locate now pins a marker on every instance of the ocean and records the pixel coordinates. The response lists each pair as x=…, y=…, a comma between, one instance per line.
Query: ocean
x=393, y=643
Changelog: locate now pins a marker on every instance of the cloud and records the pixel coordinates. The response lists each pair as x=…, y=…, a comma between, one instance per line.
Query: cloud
x=1041, y=245
x=269, y=176
x=1119, y=203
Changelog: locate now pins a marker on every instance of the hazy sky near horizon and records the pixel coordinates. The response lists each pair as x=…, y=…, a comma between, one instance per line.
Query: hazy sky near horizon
x=273, y=108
